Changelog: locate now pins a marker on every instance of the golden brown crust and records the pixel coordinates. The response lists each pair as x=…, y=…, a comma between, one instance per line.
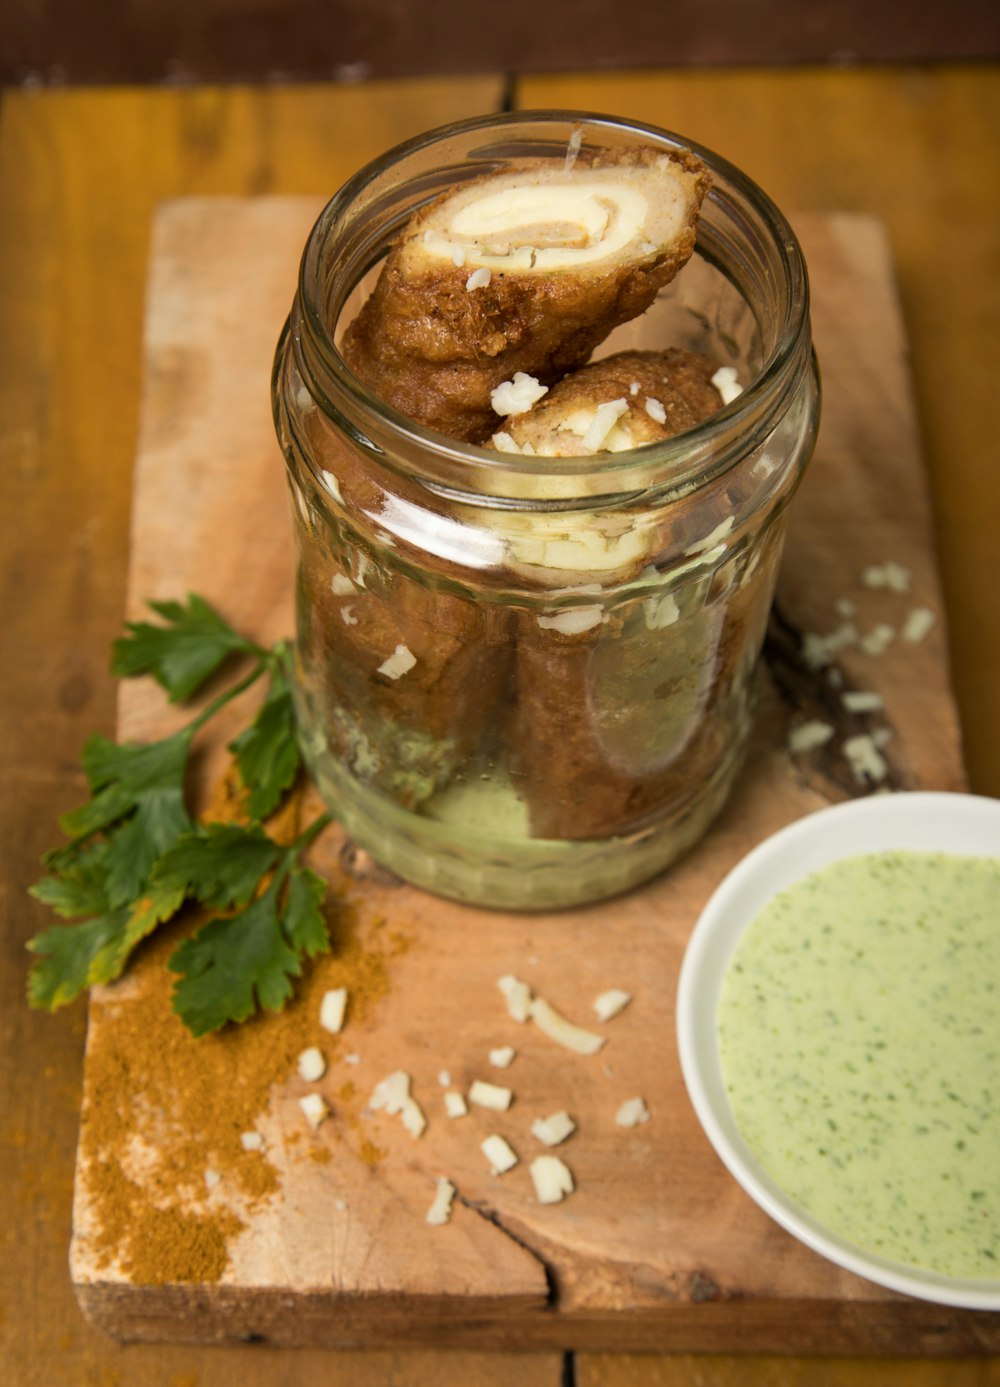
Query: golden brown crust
x=407, y=674
x=610, y=737
x=434, y=349
x=674, y=382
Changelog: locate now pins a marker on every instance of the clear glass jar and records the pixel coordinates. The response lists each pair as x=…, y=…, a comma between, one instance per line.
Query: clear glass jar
x=528, y=682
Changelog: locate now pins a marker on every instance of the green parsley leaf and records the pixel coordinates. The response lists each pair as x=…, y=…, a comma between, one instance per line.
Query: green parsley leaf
x=237, y=963
x=304, y=922
x=182, y=654
x=74, y=958
x=135, y=855
x=220, y=865
x=267, y=753
x=94, y=950
x=144, y=785
x=79, y=888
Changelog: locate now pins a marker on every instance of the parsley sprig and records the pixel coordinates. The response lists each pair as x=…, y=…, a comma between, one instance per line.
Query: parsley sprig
x=136, y=856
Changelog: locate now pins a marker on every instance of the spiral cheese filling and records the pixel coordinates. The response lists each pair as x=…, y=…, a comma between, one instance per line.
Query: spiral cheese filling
x=561, y=222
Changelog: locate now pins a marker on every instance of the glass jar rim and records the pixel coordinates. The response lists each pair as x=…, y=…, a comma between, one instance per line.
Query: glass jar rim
x=680, y=463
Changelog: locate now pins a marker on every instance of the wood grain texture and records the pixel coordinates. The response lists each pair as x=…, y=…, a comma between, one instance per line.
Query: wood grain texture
x=253, y=40
x=917, y=149
x=657, y=1248
x=81, y=173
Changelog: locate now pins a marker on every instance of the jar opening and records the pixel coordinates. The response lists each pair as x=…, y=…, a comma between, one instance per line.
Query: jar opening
x=747, y=266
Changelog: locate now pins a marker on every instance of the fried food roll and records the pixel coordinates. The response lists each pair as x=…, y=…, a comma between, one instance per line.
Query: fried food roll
x=623, y=401
x=609, y=723
x=620, y=402
x=404, y=670
x=525, y=270
x=409, y=679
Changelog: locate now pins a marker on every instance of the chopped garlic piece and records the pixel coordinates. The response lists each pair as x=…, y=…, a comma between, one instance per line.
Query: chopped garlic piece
x=864, y=758
x=444, y=1078
x=400, y=662
x=251, y=1141
x=348, y=617
x=817, y=651
x=503, y=1056
x=632, y=1113
x=610, y=1003
x=574, y=621
x=458, y=256
x=413, y=1118
x=478, y=279
x=552, y=1179
x=917, y=625
x=332, y=1009
x=393, y=1095
x=332, y=486
x=634, y=388
x=500, y=1155
x=711, y=541
x=314, y=1108
x=878, y=639
x=440, y=1210
x=660, y=611
x=341, y=585
x=887, y=575
x=557, y=1028
x=454, y=1104
x=493, y=1096
x=845, y=607
x=352, y=1059
x=517, y=995
x=656, y=411
x=504, y=443
x=311, y=1065
x=604, y=420
x=573, y=148
x=212, y=1178
x=808, y=736
x=862, y=701
x=516, y=396
x=553, y=1130
x=726, y=383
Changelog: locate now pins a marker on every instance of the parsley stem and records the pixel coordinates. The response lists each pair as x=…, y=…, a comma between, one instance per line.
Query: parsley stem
x=312, y=832
x=301, y=843
x=220, y=702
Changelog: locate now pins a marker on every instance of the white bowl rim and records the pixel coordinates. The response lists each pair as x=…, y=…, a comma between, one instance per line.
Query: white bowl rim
x=918, y=820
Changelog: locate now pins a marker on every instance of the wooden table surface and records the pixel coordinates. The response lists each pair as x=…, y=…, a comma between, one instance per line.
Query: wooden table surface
x=80, y=171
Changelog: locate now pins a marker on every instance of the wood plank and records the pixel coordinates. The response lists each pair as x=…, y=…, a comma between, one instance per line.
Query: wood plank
x=264, y=40
x=683, y=1370
x=917, y=149
x=671, y=1256
x=80, y=174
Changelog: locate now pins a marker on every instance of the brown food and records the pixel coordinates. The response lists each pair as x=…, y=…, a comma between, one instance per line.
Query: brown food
x=608, y=736
x=405, y=734
x=609, y=723
x=678, y=381
x=434, y=349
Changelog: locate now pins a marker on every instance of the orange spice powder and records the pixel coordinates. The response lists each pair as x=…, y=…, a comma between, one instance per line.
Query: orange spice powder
x=164, y=1112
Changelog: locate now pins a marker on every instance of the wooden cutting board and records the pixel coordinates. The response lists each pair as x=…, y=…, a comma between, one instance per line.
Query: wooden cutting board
x=321, y=1238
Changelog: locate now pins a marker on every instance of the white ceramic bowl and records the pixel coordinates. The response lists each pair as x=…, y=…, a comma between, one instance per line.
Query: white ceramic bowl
x=921, y=822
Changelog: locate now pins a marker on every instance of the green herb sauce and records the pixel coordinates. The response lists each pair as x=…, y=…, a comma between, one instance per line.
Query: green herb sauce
x=859, y=1033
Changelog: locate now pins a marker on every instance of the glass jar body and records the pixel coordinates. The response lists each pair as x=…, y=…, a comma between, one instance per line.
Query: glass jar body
x=531, y=686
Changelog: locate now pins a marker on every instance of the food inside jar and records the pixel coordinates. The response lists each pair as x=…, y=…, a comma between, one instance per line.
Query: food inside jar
x=594, y=675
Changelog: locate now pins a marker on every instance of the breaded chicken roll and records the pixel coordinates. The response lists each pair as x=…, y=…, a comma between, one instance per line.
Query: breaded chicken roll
x=524, y=270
